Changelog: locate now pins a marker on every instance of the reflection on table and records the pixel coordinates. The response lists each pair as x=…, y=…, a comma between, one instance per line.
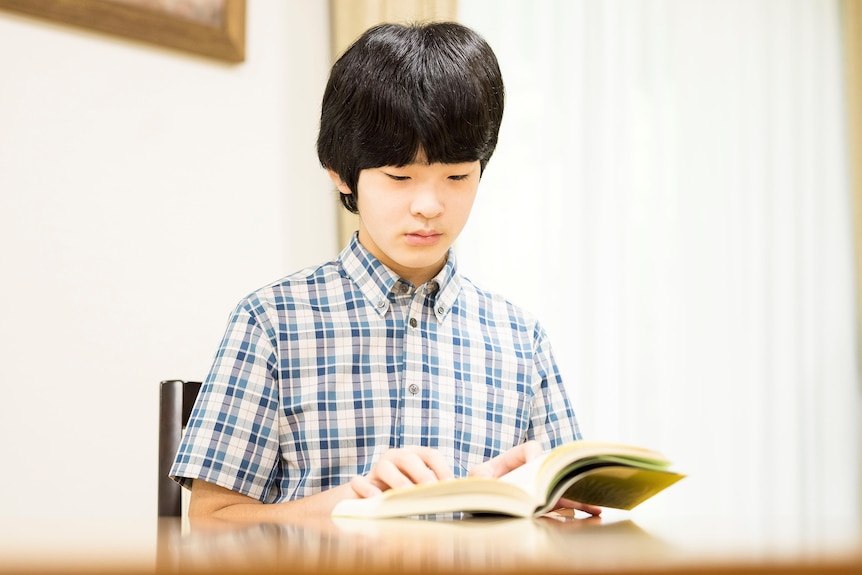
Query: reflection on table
x=617, y=542
x=557, y=543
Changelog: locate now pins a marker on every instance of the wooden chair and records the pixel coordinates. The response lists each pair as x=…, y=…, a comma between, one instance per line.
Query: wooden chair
x=176, y=398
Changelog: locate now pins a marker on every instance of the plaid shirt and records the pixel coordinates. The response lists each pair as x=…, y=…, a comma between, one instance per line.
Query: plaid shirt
x=320, y=373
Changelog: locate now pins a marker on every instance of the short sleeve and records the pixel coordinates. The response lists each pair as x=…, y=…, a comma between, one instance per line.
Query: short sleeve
x=552, y=419
x=231, y=438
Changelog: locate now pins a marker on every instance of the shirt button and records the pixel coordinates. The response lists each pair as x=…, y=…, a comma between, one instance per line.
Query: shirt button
x=380, y=303
x=414, y=389
x=412, y=322
x=440, y=309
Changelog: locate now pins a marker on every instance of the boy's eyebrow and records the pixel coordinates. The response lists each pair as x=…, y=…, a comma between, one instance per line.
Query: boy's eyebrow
x=405, y=166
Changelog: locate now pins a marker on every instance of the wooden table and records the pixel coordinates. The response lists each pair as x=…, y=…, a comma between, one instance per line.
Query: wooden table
x=616, y=544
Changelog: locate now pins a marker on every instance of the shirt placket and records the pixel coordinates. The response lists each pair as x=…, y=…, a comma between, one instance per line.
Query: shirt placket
x=415, y=392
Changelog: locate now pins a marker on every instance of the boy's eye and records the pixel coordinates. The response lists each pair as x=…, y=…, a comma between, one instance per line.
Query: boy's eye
x=398, y=178
x=459, y=177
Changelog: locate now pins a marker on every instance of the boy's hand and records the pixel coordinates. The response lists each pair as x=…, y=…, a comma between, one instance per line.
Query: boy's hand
x=402, y=468
x=517, y=456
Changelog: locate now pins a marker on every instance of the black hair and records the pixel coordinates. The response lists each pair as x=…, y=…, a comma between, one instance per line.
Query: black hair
x=402, y=89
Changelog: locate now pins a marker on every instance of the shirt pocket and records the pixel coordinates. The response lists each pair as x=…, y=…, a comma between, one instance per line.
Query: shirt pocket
x=489, y=419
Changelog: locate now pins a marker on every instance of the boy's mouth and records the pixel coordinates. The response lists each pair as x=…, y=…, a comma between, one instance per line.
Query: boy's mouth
x=423, y=237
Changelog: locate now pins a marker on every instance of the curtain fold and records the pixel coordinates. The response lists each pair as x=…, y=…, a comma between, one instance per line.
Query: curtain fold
x=852, y=18
x=670, y=196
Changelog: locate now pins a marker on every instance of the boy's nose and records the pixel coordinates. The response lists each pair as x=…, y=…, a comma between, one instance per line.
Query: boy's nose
x=427, y=202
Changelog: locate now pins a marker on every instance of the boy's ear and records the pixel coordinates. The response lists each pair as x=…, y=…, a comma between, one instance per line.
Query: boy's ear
x=336, y=179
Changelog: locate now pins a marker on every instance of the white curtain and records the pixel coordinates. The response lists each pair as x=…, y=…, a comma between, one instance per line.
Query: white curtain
x=670, y=197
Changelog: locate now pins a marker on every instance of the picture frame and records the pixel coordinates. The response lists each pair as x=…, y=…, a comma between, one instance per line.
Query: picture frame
x=219, y=35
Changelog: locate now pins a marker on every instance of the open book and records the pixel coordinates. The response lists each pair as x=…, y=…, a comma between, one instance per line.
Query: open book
x=597, y=473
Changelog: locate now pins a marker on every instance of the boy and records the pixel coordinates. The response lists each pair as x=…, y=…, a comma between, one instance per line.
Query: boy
x=385, y=367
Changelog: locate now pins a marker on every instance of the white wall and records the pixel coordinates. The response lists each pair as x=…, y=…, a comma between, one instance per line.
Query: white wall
x=143, y=191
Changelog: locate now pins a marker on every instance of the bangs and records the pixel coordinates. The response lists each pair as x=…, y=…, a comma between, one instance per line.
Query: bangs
x=445, y=115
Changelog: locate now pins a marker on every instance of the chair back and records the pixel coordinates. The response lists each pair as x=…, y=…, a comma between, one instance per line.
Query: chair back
x=176, y=398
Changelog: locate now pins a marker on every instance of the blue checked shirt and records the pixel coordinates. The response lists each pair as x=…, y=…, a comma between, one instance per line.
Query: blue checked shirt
x=319, y=374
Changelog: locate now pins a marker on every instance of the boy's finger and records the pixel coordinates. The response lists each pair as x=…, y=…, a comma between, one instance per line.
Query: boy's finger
x=508, y=460
x=569, y=504
x=394, y=474
x=426, y=466
x=363, y=487
x=432, y=461
x=438, y=465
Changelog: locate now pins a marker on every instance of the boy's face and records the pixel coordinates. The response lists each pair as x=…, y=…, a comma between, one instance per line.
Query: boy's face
x=409, y=216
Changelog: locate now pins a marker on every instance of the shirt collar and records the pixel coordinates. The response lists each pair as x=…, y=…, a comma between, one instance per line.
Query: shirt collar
x=449, y=282
x=376, y=281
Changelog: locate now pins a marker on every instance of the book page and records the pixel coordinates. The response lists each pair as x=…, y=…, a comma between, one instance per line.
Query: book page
x=469, y=494
x=527, y=478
